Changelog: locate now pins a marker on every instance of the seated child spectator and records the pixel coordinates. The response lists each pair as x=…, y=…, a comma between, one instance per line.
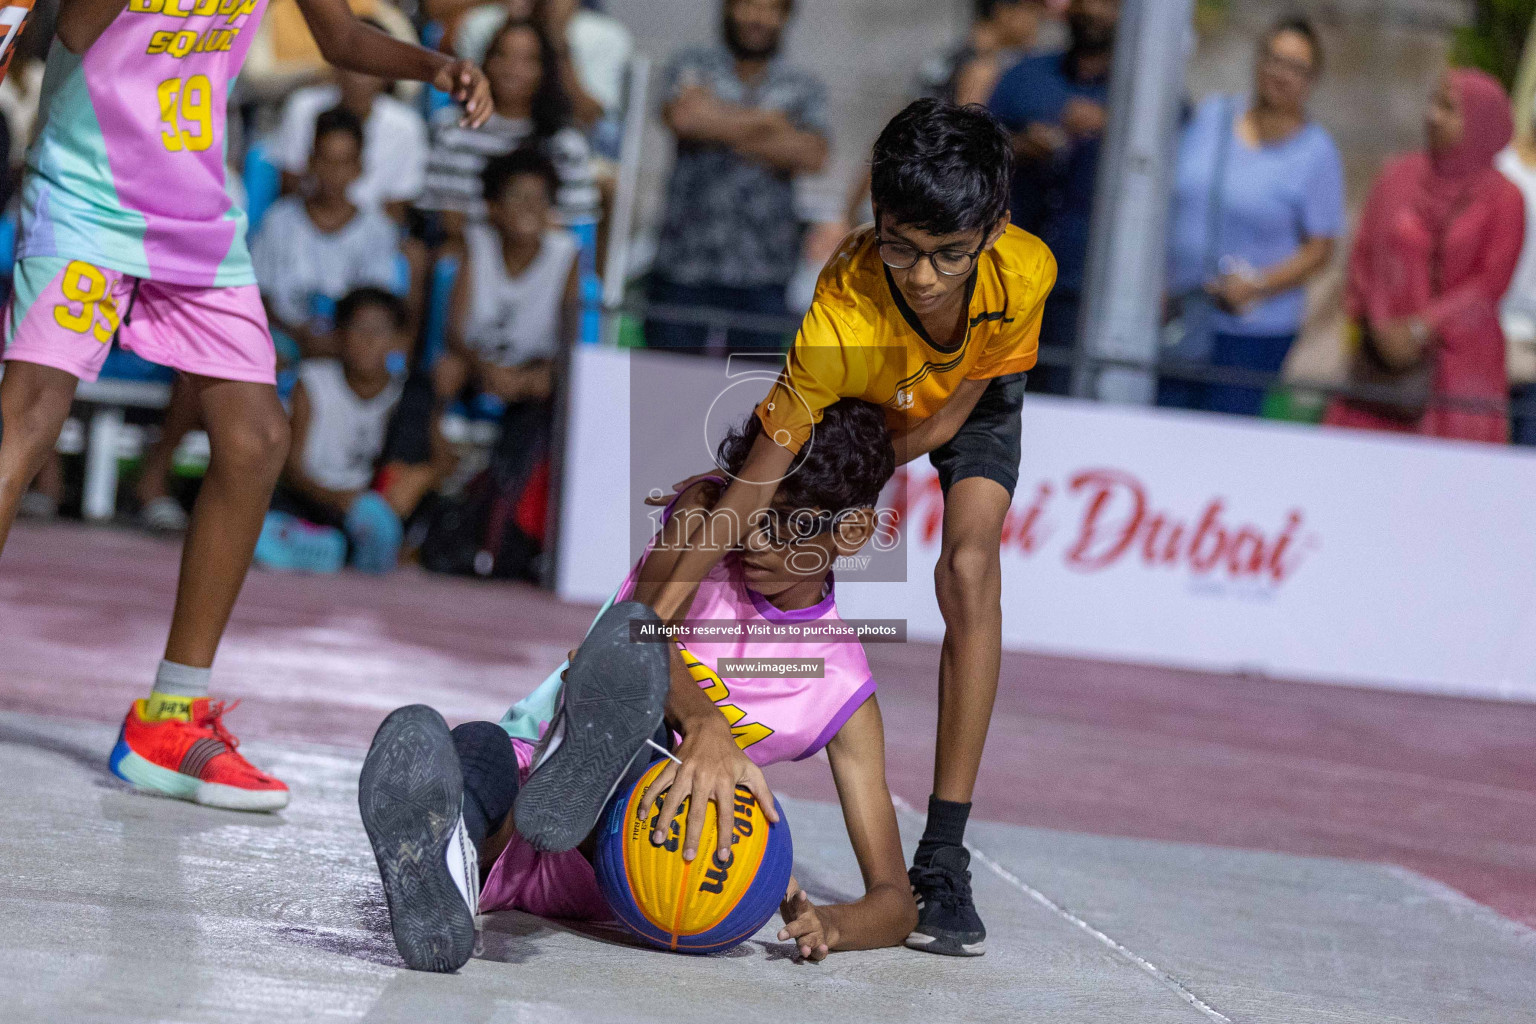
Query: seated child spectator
x=532, y=108
x=514, y=307
x=437, y=805
x=339, y=413
x=313, y=249
x=515, y=298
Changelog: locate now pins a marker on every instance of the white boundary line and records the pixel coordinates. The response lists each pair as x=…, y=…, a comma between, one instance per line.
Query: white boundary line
x=1142, y=963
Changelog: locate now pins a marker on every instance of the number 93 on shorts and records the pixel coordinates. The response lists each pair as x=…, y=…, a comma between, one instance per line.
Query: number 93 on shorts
x=66, y=313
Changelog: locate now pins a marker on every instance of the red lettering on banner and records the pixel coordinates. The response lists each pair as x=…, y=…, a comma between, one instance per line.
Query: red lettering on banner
x=1118, y=524
x=1102, y=538
x=1025, y=528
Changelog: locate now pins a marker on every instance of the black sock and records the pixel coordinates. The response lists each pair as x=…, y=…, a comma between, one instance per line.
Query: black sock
x=946, y=827
x=489, y=765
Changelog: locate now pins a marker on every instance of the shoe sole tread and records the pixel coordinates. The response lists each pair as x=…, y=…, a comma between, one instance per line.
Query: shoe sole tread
x=606, y=726
x=410, y=796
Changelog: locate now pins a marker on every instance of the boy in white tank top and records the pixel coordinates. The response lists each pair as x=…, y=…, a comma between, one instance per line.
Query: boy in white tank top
x=516, y=293
x=340, y=414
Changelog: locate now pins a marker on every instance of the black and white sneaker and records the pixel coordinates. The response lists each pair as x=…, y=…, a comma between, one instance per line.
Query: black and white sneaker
x=947, y=922
x=612, y=702
x=411, y=796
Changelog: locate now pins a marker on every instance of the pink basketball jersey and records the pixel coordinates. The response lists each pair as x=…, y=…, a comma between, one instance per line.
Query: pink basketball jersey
x=773, y=718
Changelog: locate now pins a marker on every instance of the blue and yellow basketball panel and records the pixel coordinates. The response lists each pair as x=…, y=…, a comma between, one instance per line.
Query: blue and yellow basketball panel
x=702, y=907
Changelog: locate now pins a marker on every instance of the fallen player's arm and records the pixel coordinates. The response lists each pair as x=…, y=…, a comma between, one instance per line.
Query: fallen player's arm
x=349, y=43
x=886, y=914
x=713, y=535
x=294, y=475
x=926, y=435
x=712, y=764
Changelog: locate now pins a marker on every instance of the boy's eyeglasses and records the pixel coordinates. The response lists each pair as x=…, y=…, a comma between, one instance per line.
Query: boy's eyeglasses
x=781, y=529
x=949, y=262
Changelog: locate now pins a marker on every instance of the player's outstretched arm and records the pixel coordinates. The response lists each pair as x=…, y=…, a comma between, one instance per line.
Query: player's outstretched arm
x=926, y=435
x=886, y=914
x=712, y=765
x=709, y=767
x=347, y=42
x=725, y=527
x=81, y=22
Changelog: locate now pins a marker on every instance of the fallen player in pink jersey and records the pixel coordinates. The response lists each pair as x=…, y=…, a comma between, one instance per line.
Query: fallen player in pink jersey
x=445, y=810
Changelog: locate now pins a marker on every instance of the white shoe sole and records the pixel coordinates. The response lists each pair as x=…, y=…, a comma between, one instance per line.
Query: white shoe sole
x=945, y=947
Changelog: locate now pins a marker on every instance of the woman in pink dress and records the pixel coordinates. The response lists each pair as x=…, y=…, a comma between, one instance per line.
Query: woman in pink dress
x=1437, y=246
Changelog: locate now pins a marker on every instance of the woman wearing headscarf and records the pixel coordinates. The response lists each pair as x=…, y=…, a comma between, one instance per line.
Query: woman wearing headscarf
x=1439, y=240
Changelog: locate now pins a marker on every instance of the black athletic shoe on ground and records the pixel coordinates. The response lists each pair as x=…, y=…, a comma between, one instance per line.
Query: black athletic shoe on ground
x=614, y=695
x=947, y=922
x=410, y=794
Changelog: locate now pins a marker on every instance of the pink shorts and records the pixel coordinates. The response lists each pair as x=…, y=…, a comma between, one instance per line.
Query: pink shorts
x=560, y=885
x=64, y=313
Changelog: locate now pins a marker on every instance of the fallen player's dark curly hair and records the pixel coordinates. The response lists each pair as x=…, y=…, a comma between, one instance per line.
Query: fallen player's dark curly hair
x=843, y=466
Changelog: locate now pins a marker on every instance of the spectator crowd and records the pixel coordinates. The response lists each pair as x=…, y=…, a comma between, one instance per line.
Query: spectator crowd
x=414, y=269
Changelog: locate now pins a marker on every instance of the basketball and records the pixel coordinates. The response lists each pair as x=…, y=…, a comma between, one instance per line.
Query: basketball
x=702, y=907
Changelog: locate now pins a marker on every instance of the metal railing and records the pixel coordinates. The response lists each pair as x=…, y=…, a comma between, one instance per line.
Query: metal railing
x=721, y=320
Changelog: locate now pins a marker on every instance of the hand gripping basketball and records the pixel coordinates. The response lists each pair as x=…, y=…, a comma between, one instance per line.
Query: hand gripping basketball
x=708, y=769
x=698, y=906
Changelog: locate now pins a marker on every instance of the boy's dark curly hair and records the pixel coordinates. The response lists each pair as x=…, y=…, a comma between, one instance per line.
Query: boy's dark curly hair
x=843, y=466
x=942, y=169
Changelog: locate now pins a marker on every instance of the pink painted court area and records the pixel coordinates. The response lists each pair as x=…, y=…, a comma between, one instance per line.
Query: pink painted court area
x=1152, y=845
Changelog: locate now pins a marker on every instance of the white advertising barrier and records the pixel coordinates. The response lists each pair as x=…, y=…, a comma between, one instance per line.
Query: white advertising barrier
x=1171, y=538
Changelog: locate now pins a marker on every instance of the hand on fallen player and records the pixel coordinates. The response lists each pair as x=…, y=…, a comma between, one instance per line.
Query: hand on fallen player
x=803, y=922
x=712, y=767
x=465, y=82
x=680, y=487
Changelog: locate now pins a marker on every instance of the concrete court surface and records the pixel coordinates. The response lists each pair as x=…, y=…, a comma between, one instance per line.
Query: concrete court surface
x=120, y=907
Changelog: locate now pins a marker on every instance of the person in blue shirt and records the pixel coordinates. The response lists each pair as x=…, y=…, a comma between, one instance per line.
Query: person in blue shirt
x=1271, y=179
x=1056, y=106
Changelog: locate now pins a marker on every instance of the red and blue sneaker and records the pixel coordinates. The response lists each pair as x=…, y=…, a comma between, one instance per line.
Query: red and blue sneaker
x=193, y=760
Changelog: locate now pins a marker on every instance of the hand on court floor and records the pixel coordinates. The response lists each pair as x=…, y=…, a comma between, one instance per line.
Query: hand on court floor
x=465, y=82
x=803, y=923
x=680, y=487
x=712, y=766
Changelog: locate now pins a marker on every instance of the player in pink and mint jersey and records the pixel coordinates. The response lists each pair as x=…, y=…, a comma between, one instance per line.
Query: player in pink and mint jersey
x=128, y=232
x=445, y=809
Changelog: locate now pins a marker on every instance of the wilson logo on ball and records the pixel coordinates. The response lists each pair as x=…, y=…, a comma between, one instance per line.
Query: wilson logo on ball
x=700, y=907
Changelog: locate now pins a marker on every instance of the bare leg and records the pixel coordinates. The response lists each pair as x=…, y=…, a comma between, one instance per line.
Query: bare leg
x=50, y=479
x=180, y=418
x=34, y=402
x=248, y=437
x=969, y=580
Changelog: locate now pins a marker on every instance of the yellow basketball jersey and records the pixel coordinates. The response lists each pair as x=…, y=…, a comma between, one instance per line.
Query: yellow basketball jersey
x=861, y=339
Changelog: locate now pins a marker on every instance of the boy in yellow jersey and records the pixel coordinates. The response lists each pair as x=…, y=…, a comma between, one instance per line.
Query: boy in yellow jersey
x=934, y=314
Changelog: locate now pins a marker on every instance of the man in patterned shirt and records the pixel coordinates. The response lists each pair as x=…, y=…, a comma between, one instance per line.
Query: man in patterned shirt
x=746, y=123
